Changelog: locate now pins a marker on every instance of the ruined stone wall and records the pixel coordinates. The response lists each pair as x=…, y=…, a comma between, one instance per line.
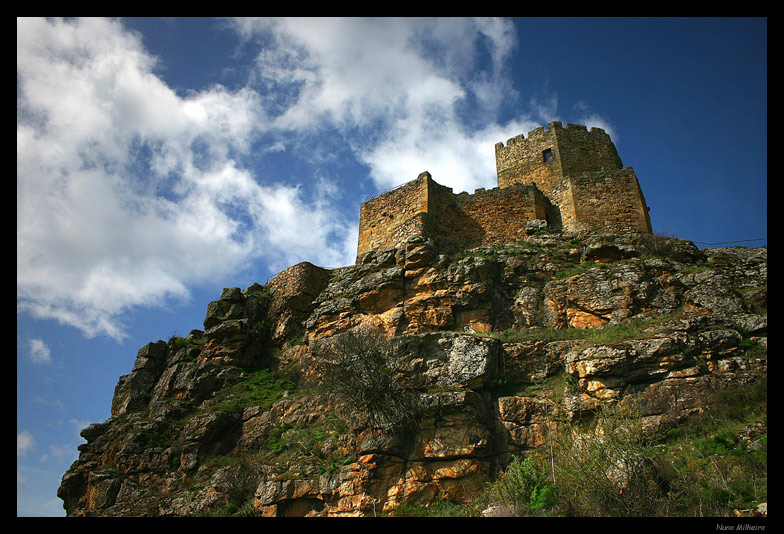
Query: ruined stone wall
x=301, y=279
x=293, y=292
x=388, y=219
x=611, y=198
x=501, y=213
x=450, y=227
x=487, y=217
x=454, y=222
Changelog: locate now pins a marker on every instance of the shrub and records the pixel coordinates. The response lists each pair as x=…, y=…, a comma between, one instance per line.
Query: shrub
x=526, y=486
x=358, y=365
x=712, y=470
x=604, y=469
x=177, y=341
x=660, y=245
x=711, y=465
x=240, y=478
x=608, y=469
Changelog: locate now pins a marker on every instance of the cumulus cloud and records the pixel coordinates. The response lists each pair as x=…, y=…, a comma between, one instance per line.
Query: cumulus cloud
x=590, y=118
x=40, y=352
x=129, y=193
x=397, y=89
x=25, y=442
x=60, y=453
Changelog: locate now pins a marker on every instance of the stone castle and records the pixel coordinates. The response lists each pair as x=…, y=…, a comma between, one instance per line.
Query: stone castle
x=565, y=176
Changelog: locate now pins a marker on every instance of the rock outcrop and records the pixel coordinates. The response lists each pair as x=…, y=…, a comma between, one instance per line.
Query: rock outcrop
x=240, y=417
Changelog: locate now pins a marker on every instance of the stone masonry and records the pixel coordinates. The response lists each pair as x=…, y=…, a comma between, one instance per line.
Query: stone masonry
x=567, y=176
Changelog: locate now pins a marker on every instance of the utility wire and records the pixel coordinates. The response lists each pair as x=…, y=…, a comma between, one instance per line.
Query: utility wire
x=728, y=242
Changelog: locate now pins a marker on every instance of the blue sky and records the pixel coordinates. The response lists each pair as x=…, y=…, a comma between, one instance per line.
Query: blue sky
x=161, y=160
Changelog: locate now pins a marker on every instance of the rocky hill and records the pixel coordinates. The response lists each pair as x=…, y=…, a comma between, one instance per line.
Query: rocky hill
x=415, y=377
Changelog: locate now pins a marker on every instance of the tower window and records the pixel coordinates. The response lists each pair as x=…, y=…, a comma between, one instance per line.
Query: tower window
x=548, y=155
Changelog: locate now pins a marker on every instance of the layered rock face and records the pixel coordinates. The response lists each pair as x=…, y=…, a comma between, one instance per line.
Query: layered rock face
x=493, y=344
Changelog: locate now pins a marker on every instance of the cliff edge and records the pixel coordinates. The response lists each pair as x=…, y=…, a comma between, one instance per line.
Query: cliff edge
x=416, y=377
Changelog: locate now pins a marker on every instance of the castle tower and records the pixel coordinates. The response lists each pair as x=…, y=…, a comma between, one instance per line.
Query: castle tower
x=581, y=174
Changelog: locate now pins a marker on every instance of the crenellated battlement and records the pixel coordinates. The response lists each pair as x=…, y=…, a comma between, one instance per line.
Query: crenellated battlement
x=540, y=132
x=564, y=175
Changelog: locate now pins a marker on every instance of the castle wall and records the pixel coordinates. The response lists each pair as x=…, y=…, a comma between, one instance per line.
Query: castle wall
x=389, y=219
x=585, y=151
x=454, y=222
x=611, y=198
x=522, y=160
x=574, y=149
x=501, y=213
x=450, y=227
x=562, y=197
x=303, y=280
x=293, y=292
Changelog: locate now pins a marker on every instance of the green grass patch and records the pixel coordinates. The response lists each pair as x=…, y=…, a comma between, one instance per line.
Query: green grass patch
x=551, y=387
x=594, y=336
x=308, y=449
x=607, y=335
x=441, y=508
x=579, y=268
x=259, y=388
x=604, y=335
x=521, y=335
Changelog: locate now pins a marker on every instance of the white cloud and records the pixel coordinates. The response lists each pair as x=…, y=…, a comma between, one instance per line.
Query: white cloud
x=40, y=352
x=395, y=88
x=126, y=192
x=60, y=453
x=455, y=159
x=590, y=118
x=25, y=442
x=598, y=121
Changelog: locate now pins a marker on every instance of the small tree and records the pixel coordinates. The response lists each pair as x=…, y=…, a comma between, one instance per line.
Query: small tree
x=359, y=366
x=240, y=480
